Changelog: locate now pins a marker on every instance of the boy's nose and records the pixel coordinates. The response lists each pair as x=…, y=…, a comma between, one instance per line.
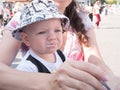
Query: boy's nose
x=52, y=35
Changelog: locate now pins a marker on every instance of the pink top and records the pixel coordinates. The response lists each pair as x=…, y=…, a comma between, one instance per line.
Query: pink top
x=73, y=48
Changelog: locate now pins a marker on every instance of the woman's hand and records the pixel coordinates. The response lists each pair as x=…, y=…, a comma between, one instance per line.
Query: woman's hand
x=78, y=75
x=113, y=81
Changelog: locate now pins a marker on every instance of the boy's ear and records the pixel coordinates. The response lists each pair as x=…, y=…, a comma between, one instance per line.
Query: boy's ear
x=24, y=37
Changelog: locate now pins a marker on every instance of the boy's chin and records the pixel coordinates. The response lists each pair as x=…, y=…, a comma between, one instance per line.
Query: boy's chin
x=52, y=51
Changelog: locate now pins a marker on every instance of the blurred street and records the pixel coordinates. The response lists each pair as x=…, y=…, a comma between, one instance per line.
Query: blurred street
x=108, y=36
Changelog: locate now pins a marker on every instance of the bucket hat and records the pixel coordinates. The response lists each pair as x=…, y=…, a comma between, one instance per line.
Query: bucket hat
x=38, y=10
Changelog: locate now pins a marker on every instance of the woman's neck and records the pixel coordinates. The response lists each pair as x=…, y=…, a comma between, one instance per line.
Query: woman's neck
x=60, y=7
x=61, y=10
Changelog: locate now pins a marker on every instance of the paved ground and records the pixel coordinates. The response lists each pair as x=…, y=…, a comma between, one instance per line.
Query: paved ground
x=108, y=36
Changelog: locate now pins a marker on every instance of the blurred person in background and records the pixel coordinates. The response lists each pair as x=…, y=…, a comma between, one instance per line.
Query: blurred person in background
x=1, y=15
x=6, y=15
x=17, y=7
x=96, y=13
x=89, y=10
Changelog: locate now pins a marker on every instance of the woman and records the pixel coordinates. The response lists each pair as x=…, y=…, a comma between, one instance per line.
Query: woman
x=72, y=75
x=81, y=41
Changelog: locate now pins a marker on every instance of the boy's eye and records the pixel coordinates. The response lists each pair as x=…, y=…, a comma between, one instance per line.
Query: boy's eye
x=43, y=32
x=58, y=30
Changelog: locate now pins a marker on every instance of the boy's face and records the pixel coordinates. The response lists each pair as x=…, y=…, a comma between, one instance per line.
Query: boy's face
x=43, y=37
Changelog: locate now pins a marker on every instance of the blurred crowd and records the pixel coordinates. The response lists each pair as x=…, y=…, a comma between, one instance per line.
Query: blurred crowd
x=97, y=9
x=7, y=11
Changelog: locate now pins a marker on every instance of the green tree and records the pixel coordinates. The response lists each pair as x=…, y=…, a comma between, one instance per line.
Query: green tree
x=110, y=1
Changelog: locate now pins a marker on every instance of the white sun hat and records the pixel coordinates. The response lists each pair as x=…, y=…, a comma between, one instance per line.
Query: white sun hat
x=36, y=11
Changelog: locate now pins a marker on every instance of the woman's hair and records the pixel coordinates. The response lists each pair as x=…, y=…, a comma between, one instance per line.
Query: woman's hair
x=76, y=22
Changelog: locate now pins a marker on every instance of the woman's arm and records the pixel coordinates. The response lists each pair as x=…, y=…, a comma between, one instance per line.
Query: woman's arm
x=11, y=79
x=93, y=49
x=93, y=56
x=72, y=75
x=8, y=47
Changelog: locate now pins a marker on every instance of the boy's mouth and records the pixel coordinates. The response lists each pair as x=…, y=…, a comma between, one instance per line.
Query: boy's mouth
x=52, y=45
